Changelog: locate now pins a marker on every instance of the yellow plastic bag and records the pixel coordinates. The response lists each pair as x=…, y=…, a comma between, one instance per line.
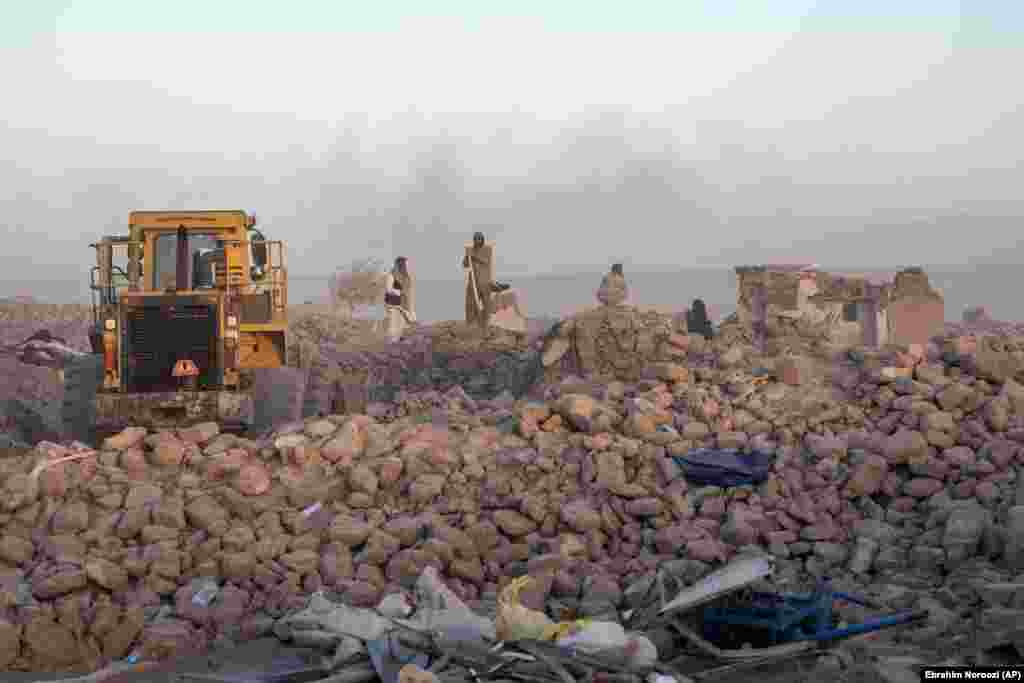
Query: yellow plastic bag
x=515, y=622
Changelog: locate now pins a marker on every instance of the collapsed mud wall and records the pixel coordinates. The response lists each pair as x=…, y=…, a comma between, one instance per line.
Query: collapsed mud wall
x=995, y=358
x=611, y=342
x=485, y=364
x=482, y=374
x=850, y=309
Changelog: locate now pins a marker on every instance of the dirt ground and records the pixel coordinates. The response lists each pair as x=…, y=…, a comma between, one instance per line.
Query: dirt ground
x=230, y=664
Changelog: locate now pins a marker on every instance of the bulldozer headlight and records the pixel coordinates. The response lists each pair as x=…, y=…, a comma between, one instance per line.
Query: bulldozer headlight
x=110, y=324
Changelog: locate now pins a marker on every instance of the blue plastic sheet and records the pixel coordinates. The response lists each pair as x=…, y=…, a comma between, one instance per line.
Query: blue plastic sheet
x=725, y=467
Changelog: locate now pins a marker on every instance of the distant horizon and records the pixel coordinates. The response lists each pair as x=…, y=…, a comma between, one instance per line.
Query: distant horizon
x=647, y=269
x=563, y=293
x=669, y=137
x=665, y=270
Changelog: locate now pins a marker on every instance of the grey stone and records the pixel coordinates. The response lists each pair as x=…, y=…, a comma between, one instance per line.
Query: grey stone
x=891, y=558
x=1000, y=594
x=686, y=570
x=1014, y=538
x=938, y=615
x=815, y=566
x=831, y=553
x=927, y=557
x=896, y=517
x=864, y=551
x=931, y=537
x=963, y=533
x=892, y=672
x=876, y=530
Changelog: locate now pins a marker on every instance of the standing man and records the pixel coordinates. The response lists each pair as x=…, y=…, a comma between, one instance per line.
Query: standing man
x=407, y=286
x=479, y=265
x=399, y=298
x=697, y=321
x=613, y=290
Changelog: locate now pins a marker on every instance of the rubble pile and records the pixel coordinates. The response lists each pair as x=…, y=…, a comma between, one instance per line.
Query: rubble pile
x=897, y=469
x=611, y=342
x=29, y=311
x=439, y=357
x=482, y=457
x=30, y=394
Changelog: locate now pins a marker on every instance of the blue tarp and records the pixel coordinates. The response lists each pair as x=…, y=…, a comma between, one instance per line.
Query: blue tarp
x=725, y=466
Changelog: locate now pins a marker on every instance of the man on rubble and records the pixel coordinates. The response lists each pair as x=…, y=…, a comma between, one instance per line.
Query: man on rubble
x=697, y=321
x=479, y=266
x=613, y=290
x=399, y=298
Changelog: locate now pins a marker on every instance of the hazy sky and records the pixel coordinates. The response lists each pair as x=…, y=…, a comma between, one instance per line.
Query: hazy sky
x=575, y=133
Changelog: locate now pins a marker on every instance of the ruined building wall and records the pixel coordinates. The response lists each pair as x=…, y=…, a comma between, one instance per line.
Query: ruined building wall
x=837, y=296
x=795, y=295
x=917, y=310
x=907, y=310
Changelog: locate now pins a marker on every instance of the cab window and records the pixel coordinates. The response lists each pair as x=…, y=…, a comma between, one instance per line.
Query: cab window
x=165, y=257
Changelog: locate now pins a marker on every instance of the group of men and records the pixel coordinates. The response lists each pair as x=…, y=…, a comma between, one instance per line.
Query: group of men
x=478, y=264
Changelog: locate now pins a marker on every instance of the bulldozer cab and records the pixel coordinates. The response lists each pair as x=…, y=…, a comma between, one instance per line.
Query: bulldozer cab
x=187, y=252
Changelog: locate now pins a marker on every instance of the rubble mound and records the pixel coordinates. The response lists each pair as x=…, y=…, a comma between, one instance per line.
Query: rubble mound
x=311, y=331
x=484, y=362
x=27, y=310
x=610, y=342
x=159, y=543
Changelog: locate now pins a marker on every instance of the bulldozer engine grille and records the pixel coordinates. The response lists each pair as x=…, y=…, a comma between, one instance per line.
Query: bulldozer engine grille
x=159, y=336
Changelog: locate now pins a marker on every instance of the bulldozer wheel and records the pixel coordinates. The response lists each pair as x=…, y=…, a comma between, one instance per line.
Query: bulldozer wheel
x=278, y=395
x=78, y=413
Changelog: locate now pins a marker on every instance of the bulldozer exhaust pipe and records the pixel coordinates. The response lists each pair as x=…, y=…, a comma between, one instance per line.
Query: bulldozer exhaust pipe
x=181, y=279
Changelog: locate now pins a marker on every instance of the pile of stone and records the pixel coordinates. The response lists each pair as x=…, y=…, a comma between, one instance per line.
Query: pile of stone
x=116, y=550
x=440, y=357
x=977, y=320
x=27, y=310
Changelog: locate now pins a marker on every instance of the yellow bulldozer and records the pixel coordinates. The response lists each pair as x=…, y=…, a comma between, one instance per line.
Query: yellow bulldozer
x=189, y=325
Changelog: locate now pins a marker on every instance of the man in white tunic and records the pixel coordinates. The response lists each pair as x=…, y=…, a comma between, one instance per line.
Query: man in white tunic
x=399, y=299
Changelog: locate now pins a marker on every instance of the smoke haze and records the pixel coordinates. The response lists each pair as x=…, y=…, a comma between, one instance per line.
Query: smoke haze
x=689, y=139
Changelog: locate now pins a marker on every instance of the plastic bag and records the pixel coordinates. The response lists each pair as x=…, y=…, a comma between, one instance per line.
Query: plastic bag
x=596, y=636
x=395, y=606
x=515, y=622
x=605, y=637
x=438, y=609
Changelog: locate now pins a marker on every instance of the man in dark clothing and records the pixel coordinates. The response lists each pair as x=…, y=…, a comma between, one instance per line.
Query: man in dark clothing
x=697, y=321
